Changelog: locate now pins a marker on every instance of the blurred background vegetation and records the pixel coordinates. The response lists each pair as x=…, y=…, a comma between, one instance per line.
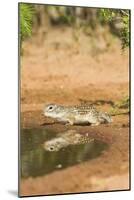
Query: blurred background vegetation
x=38, y=19
x=34, y=17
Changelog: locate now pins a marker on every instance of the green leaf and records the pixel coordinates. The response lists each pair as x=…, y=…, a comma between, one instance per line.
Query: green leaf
x=26, y=13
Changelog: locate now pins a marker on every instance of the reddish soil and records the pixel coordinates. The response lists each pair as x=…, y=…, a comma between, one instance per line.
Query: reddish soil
x=56, y=68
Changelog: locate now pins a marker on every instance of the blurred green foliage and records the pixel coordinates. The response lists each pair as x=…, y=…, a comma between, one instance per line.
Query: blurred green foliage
x=108, y=14
x=26, y=12
x=42, y=15
x=121, y=16
x=123, y=103
x=125, y=32
x=121, y=107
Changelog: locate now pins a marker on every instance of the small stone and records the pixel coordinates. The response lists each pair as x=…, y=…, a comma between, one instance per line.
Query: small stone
x=59, y=166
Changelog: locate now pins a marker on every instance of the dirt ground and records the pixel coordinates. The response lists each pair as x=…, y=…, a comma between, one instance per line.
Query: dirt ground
x=55, y=68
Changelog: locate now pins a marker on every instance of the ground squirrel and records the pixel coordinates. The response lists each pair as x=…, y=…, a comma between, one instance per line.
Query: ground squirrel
x=81, y=114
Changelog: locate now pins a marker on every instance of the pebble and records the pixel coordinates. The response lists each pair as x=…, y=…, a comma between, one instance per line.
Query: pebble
x=59, y=166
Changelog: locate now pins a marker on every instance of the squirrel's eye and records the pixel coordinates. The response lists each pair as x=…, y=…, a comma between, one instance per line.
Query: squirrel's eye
x=50, y=108
x=51, y=148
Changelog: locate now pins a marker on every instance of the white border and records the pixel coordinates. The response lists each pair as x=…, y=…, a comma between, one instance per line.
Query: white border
x=9, y=96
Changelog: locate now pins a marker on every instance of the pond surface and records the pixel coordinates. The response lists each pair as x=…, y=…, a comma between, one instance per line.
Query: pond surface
x=36, y=161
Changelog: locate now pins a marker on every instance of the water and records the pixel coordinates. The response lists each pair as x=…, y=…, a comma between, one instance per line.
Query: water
x=36, y=161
